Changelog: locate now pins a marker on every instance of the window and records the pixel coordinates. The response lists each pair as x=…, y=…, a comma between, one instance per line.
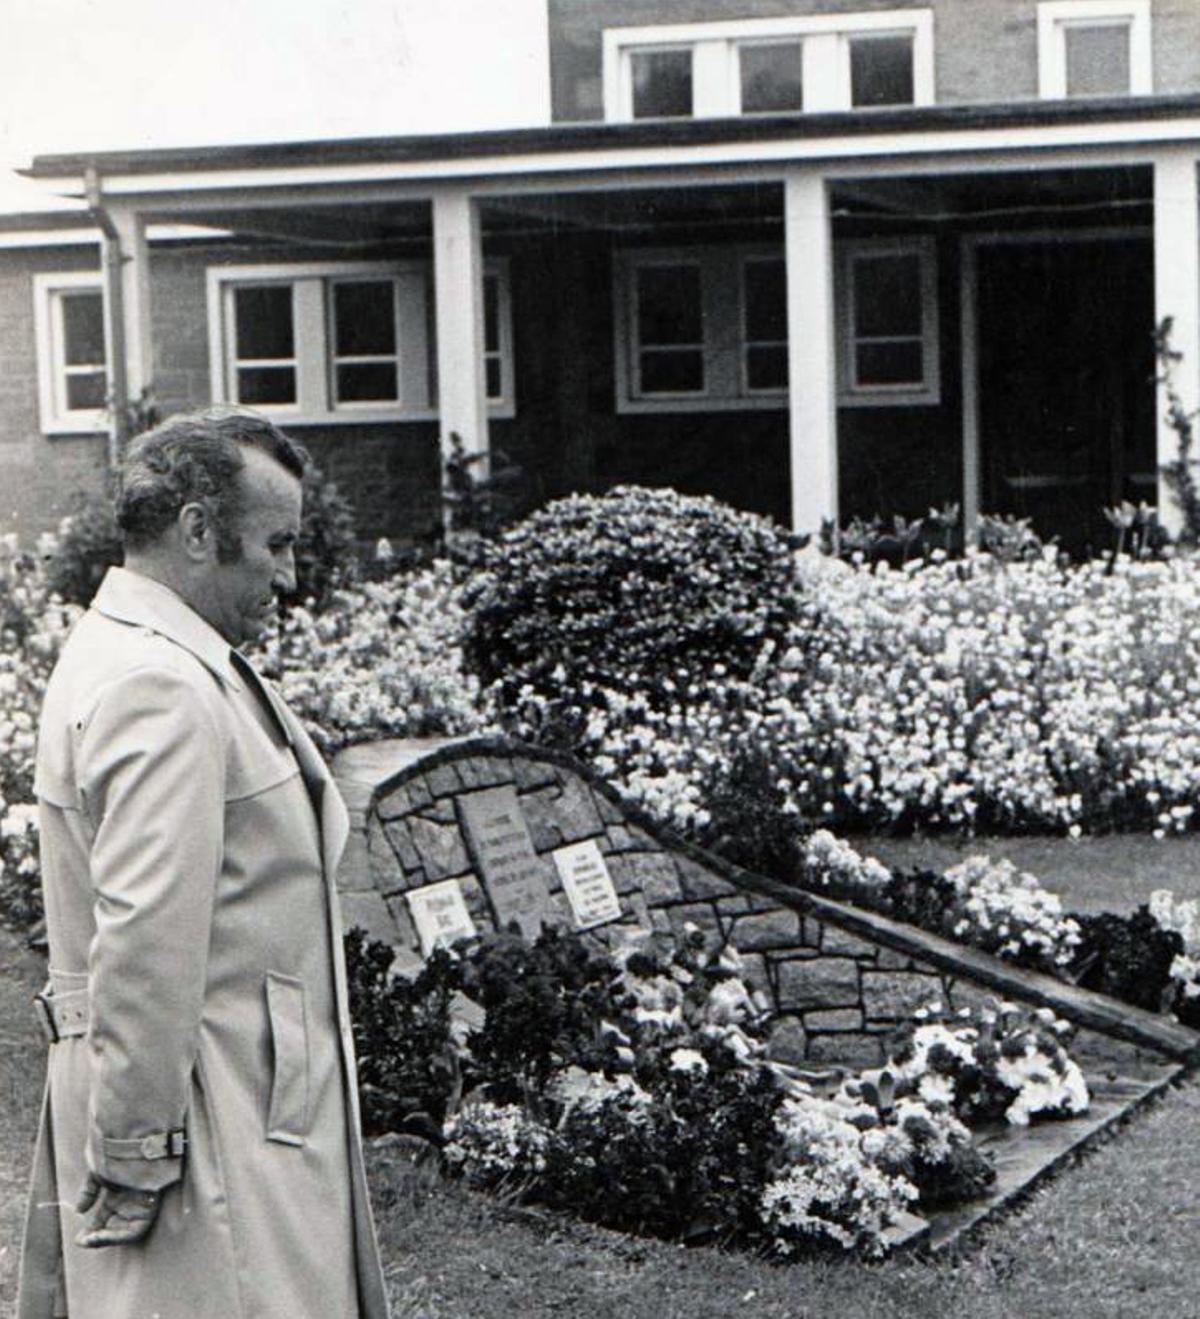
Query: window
x=662, y=83
x=887, y=310
x=705, y=329
x=1094, y=48
x=72, y=352
x=881, y=70
x=701, y=329
x=344, y=342
x=769, y=66
x=764, y=324
x=770, y=76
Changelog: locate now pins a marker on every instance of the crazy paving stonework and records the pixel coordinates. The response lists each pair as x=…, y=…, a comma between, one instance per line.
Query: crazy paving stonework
x=839, y=979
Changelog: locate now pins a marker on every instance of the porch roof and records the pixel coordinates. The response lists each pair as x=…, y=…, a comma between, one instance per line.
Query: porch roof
x=921, y=129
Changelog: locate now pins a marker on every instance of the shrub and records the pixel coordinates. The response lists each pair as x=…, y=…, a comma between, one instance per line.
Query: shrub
x=1128, y=957
x=408, y=1072
x=88, y=543
x=634, y=590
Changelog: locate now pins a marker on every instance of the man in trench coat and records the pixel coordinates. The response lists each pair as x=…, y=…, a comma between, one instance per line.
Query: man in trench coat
x=199, y=1155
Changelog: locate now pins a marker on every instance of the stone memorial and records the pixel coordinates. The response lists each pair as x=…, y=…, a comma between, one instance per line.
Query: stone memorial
x=499, y=843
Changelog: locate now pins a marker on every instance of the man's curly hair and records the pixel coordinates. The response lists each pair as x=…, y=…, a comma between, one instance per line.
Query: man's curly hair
x=195, y=458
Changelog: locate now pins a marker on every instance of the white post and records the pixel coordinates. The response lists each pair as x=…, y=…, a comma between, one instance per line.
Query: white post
x=968, y=316
x=812, y=389
x=135, y=301
x=1177, y=295
x=458, y=305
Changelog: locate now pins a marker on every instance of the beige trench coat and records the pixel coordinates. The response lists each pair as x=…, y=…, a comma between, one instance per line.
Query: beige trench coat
x=190, y=835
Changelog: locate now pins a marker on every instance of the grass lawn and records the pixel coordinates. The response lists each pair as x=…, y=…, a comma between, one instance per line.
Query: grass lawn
x=1113, y=873
x=1114, y=1235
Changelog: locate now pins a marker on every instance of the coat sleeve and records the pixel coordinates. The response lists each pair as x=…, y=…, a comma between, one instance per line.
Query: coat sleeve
x=151, y=769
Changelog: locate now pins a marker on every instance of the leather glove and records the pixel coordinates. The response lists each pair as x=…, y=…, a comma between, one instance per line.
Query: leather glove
x=117, y=1215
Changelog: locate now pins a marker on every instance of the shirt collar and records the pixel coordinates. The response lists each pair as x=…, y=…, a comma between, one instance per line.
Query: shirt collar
x=132, y=597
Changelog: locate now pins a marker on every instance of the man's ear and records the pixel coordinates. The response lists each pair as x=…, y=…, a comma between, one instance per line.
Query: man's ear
x=197, y=533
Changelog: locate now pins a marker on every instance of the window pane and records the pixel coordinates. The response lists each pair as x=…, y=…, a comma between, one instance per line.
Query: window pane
x=890, y=363
x=1097, y=59
x=266, y=384
x=366, y=382
x=668, y=305
x=83, y=329
x=492, y=370
x=766, y=367
x=491, y=314
x=264, y=322
x=881, y=71
x=364, y=318
x=662, y=83
x=673, y=372
x=771, y=77
x=766, y=300
x=887, y=295
x=86, y=390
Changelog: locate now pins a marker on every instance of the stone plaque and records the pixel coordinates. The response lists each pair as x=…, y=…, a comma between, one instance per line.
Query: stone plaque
x=512, y=873
x=440, y=914
x=587, y=883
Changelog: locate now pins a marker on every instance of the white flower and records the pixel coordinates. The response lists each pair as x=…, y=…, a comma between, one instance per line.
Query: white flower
x=688, y=1061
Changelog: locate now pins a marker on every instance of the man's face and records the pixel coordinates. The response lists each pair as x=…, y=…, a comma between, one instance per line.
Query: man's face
x=239, y=596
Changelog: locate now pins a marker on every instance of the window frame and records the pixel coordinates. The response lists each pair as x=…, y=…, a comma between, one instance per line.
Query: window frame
x=716, y=84
x=722, y=300
x=852, y=395
x=54, y=415
x=315, y=341
x=1056, y=17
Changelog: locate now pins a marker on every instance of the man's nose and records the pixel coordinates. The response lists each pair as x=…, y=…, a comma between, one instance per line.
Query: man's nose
x=285, y=572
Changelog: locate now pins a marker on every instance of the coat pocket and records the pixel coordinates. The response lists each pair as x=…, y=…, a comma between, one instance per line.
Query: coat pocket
x=287, y=1115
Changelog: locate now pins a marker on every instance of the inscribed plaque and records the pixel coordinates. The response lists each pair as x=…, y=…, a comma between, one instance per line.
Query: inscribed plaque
x=513, y=875
x=587, y=884
x=440, y=914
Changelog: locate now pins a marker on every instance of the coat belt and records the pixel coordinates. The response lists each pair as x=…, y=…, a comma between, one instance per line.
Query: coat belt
x=62, y=1015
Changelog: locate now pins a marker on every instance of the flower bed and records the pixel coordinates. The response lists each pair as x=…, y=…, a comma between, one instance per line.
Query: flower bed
x=633, y=1088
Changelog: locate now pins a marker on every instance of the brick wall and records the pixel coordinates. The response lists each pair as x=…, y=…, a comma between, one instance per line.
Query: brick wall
x=984, y=50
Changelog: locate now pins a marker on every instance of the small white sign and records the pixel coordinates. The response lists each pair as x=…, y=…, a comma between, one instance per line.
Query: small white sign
x=440, y=914
x=587, y=884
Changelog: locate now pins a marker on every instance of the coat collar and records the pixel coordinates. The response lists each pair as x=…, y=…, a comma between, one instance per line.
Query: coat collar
x=132, y=597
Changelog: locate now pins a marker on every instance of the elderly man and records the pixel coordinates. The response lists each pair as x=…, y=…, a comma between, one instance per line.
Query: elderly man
x=199, y=1153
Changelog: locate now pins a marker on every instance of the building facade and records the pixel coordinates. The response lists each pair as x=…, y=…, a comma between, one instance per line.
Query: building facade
x=819, y=258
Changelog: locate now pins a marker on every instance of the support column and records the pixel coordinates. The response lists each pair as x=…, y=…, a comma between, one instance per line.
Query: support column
x=135, y=298
x=1177, y=295
x=458, y=306
x=812, y=390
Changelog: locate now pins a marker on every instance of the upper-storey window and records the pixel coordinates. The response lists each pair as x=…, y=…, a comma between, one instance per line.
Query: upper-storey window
x=72, y=351
x=1094, y=48
x=768, y=65
x=343, y=342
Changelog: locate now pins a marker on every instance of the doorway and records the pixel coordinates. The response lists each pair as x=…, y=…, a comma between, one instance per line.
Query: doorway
x=1064, y=373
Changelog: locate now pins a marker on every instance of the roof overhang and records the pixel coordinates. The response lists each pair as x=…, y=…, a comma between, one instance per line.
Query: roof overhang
x=576, y=154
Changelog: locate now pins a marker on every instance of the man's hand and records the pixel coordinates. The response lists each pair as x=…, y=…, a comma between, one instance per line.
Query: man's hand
x=120, y=1215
